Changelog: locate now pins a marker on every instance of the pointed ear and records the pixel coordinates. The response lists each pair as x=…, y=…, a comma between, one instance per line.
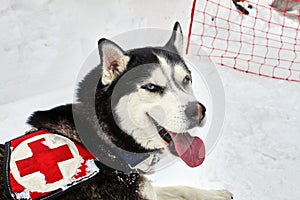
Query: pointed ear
x=176, y=40
x=113, y=60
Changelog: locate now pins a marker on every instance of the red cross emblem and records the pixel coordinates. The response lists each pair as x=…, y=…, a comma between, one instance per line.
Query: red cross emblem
x=44, y=164
x=46, y=161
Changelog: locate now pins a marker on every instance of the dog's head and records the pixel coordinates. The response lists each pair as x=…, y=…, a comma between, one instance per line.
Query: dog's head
x=151, y=96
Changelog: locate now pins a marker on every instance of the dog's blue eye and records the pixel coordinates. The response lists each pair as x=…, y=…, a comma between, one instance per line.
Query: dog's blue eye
x=152, y=88
x=186, y=80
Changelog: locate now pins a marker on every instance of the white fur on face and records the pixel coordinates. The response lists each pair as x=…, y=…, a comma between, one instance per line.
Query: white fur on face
x=179, y=74
x=135, y=110
x=135, y=122
x=166, y=68
x=158, y=78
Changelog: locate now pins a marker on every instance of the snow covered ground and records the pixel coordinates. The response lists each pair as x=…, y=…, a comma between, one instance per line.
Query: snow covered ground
x=44, y=43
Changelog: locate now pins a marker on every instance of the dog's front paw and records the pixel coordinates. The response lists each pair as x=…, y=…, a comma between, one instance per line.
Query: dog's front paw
x=214, y=195
x=190, y=193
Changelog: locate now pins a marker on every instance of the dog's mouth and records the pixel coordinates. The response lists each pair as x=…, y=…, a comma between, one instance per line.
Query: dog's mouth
x=189, y=148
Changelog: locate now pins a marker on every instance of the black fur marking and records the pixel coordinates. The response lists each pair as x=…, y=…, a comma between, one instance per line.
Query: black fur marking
x=54, y=116
x=109, y=186
x=59, y=119
x=2, y=188
x=179, y=85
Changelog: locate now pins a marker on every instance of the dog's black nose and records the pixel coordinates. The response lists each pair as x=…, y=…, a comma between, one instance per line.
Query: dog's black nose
x=203, y=109
x=195, y=111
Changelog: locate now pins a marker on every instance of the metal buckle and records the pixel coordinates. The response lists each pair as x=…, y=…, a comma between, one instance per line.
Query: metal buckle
x=147, y=164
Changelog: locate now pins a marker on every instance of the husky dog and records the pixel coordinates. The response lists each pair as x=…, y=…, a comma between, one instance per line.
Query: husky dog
x=286, y=5
x=148, y=111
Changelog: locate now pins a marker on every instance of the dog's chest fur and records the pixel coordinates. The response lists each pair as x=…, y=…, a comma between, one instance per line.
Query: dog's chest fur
x=2, y=193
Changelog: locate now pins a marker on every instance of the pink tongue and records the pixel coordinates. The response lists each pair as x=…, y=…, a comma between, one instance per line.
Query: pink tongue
x=190, y=149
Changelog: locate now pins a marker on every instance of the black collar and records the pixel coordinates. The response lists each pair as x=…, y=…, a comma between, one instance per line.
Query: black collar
x=142, y=162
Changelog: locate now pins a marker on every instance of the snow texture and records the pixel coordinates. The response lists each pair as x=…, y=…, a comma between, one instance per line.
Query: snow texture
x=44, y=43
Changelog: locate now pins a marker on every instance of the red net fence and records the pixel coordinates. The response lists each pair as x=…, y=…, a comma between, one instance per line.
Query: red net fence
x=248, y=36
